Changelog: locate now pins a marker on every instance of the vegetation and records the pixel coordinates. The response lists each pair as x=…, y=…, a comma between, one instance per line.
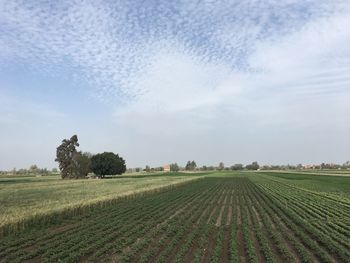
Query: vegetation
x=191, y=166
x=26, y=199
x=107, y=163
x=33, y=170
x=74, y=164
x=147, y=169
x=68, y=158
x=174, y=167
x=221, y=166
x=253, y=166
x=237, y=167
x=82, y=164
x=224, y=217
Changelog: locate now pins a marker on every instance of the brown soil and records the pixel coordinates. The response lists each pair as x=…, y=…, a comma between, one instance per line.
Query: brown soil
x=225, y=200
x=253, y=237
x=240, y=240
x=171, y=257
x=250, y=223
x=225, y=256
x=222, y=196
x=288, y=243
x=291, y=247
x=202, y=215
x=218, y=220
x=60, y=229
x=272, y=246
x=173, y=215
x=239, y=217
x=211, y=214
x=190, y=253
x=257, y=216
x=209, y=249
x=37, y=259
x=229, y=216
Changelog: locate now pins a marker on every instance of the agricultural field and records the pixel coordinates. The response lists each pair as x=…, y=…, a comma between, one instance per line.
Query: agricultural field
x=221, y=217
x=336, y=187
x=333, y=172
x=24, y=198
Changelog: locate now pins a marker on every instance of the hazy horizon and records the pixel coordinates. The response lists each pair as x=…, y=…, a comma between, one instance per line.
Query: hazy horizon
x=160, y=82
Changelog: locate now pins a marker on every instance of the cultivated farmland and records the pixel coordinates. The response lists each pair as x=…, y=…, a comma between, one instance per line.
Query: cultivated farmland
x=24, y=199
x=225, y=217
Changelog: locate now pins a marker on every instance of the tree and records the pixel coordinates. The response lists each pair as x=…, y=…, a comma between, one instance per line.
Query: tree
x=253, y=166
x=237, y=166
x=65, y=154
x=107, y=163
x=174, y=167
x=190, y=166
x=221, y=166
x=22, y=171
x=159, y=169
x=193, y=165
x=43, y=172
x=211, y=168
x=147, y=168
x=81, y=164
x=34, y=169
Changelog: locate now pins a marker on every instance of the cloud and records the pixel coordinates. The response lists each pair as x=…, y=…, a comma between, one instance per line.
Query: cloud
x=288, y=80
x=172, y=69
x=112, y=43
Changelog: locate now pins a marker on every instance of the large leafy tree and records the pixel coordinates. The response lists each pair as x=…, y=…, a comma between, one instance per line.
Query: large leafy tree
x=237, y=166
x=190, y=166
x=253, y=166
x=65, y=156
x=107, y=163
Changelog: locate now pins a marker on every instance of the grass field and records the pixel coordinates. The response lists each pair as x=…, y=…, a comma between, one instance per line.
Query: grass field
x=223, y=217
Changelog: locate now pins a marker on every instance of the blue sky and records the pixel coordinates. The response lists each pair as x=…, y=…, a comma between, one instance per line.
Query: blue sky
x=166, y=81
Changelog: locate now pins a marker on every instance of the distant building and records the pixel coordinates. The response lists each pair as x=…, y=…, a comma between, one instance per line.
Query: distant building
x=308, y=166
x=166, y=168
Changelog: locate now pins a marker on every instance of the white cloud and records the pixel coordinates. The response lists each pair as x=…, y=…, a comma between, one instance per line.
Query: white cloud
x=111, y=43
x=219, y=72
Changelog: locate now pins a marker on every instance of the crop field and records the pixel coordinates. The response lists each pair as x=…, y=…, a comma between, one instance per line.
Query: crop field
x=22, y=199
x=224, y=217
x=314, y=172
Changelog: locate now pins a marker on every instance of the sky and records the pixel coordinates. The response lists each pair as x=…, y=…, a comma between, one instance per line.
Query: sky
x=169, y=81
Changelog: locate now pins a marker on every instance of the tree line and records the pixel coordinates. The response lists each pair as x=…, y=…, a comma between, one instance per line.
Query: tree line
x=75, y=164
x=31, y=171
x=192, y=166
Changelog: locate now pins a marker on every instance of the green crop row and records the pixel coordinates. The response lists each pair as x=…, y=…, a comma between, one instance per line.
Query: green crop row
x=216, y=219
